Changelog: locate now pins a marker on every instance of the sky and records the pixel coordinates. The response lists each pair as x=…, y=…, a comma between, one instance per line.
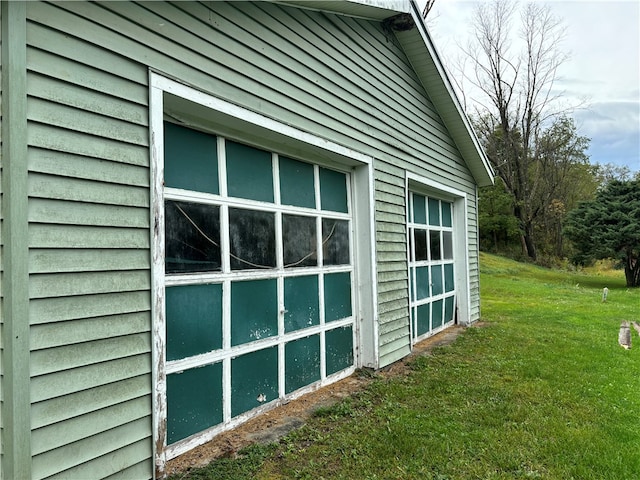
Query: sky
x=602, y=73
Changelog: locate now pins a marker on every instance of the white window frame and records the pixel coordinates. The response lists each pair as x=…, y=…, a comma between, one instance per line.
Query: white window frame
x=237, y=123
x=424, y=186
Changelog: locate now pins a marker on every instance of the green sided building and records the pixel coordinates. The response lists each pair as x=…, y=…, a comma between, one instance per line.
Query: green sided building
x=211, y=208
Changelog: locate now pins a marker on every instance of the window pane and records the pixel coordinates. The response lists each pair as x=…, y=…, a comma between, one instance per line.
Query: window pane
x=296, y=183
x=190, y=159
x=252, y=238
x=192, y=237
x=299, y=241
x=419, y=209
x=249, y=172
x=446, y=214
x=434, y=239
x=434, y=212
x=449, y=283
x=436, y=280
x=449, y=310
x=302, y=362
x=188, y=413
x=337, y=296
x=447, y=245
x=301, y=302
x=424, y=316
x=422, y=282
x=339, y=349
x=436, y=312
x=254, y=380
x=254, y=310
x=333, y=190
x=420, y=245
x=194, y=320
x=335, y=239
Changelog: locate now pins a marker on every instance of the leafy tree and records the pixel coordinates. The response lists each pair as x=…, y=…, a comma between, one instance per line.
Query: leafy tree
x=498, y=227
x=609, y=227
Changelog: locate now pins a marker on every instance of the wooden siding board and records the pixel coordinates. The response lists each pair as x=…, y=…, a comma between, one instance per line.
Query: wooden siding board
x=76, y=213
x=48, y=438
x=111, y=464
x=87, y=306
x=83, y=121
x=67, y=357
x=85, y=260
x=392, y=281
x=76, y=166
x=48, y=285
x=144, y=469
x=87, y=191
x=59, y=409
x=85, y=99
x=63, y=140
x=63, y=383
x=341, y=58
x=50, y=335
x=61, y=460
x=392, y=352
x=77, y=69
x=46, y=235
x=80, y=51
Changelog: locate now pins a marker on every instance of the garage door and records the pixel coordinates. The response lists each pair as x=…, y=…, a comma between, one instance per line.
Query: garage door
x=431, y=265
x=258, y=279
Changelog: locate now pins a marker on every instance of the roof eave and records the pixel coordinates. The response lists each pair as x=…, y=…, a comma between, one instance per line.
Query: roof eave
x=426, y=62
x=367, y=9
x=418, y=46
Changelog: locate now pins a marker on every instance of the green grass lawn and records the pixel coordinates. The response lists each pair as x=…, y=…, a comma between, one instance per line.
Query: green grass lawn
x=542, y=391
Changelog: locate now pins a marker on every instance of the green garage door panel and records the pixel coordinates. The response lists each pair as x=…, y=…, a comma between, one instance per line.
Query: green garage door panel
x=249, y=172
x=302, y=363
x=301, y=302
x=194, y=320
x=339, y=347
x=337, y=296
x=254, y=380
x=449, y=308
x=424, y=318
x=193, y=168
x=188, y=412
x=296, y=183
x=333, y=190
x=437, y=314
x=422, y=282
x=254, y=310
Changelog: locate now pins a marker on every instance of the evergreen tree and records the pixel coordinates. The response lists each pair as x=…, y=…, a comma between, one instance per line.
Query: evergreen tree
x=609, y=227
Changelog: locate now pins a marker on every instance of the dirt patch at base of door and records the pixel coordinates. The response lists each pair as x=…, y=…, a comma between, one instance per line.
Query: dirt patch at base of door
x=276, y=423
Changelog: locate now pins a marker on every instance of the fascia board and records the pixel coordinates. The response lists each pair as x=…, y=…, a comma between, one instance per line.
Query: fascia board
x=426, y=62
x=367, y=9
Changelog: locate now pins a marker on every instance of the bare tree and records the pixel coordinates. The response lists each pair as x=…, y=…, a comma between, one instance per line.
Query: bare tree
x=427, y=8
x=520, y=102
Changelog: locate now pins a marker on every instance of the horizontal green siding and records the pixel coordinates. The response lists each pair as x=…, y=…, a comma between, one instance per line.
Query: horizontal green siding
x=336, y=77
x=89, y=259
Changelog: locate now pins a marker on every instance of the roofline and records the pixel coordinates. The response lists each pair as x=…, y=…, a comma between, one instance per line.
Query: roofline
x=488, y=172
x=367, y=9
x=416, y=42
